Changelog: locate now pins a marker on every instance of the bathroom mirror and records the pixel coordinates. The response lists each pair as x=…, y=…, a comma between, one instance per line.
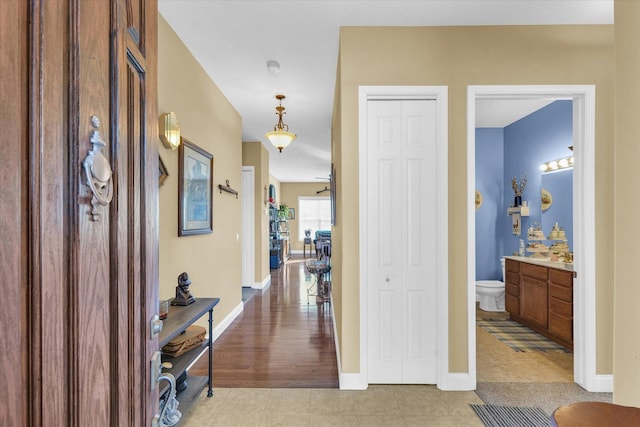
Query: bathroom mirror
x=559, y=186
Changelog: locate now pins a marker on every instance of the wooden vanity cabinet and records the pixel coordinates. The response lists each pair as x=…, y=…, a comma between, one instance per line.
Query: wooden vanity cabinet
x=512, y=287
x=533, y=298
x=541, y=298
x=561, y=303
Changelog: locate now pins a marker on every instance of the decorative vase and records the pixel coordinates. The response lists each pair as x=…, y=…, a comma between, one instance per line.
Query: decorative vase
x=517, y=201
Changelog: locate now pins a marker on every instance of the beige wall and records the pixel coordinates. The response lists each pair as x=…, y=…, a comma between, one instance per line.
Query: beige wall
x=337, y=259
x=458, y=57
x=626, y=362
x=207, y=119
x=290, y=193
x=256, y=155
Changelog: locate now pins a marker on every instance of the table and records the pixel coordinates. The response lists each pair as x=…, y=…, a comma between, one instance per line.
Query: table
x=179, y=318
x=595, y=414
x=319, y=268
x=307, y=241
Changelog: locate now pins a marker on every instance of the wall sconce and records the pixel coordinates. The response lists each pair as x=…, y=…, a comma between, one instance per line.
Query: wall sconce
x=170, y=130
x=280, y=137
x=555, y=165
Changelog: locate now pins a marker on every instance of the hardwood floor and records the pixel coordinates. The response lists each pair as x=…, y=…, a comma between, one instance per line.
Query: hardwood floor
x=279, y=340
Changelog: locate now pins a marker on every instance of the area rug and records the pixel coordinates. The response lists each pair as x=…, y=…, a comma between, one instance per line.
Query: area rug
x=519, y=337
x=511, y=416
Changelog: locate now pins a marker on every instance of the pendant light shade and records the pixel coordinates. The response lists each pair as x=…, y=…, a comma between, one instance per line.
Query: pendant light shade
x=280, y=137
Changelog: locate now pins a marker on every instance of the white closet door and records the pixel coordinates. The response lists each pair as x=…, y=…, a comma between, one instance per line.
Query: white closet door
x=402, y=229
x=248, y=227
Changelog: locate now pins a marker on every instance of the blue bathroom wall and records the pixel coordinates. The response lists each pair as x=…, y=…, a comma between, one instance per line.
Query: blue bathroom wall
x=518, y=149
x=560, y=186
x=541, y=136
x=490, y=218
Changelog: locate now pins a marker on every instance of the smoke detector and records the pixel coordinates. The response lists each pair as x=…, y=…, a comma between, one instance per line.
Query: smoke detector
x=273, y=66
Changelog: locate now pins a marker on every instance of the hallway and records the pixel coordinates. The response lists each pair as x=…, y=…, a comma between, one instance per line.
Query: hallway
x=280, y=340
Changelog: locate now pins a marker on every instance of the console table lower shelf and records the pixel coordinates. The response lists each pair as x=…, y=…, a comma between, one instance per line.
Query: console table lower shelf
x=177, y=321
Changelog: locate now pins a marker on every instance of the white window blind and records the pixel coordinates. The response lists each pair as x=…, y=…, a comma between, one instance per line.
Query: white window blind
x=314, y=213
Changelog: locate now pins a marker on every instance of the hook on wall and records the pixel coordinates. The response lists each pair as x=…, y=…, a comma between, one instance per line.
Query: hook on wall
x=227, y=188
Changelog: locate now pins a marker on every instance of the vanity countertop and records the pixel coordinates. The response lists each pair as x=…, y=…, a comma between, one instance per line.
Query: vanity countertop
x=552, y=264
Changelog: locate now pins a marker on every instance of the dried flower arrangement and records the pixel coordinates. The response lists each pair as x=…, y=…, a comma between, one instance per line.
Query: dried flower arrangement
x=519, y=188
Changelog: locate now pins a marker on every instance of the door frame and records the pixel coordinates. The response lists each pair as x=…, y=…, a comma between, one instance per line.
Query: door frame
x=440, y=95
x=583, y=97
x=248, y=223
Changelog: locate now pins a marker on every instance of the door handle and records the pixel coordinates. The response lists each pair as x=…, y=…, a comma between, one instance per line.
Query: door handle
x=169, y=414
x=156, y=326
x=98, y=172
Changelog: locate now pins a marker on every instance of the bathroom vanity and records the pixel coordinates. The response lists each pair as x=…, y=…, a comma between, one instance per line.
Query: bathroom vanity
x=539, y=294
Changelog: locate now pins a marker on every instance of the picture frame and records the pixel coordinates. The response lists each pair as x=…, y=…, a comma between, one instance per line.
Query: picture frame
x=195, y=190
x=291, y=214
x=164, y=172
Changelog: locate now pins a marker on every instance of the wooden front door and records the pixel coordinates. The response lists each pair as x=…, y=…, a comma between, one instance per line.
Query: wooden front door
x=80, y=277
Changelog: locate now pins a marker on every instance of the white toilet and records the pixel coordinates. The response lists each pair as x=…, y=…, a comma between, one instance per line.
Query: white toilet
x=490, y=293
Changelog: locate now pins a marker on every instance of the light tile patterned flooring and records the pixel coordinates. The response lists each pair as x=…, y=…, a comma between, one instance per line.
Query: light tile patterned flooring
x=497, y=362
x=376, y=406
x=379, y=405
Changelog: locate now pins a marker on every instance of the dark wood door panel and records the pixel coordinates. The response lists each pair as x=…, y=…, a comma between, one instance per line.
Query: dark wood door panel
x=78, y=346
x=14, y=220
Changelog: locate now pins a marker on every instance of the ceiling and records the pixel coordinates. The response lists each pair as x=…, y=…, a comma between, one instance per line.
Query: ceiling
x=234, y=39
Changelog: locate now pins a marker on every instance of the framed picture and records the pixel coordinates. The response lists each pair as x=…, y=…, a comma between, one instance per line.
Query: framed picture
x=195, y=190
x=164, y=173
x=292, y=213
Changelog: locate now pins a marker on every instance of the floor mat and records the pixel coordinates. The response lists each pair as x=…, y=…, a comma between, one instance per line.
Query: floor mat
x=519, y=337
x=507, y=416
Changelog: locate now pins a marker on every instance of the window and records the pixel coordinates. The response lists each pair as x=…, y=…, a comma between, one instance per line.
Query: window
x=314, y=213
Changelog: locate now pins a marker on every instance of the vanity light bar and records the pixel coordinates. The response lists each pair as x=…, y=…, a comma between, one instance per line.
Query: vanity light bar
x=559, y=164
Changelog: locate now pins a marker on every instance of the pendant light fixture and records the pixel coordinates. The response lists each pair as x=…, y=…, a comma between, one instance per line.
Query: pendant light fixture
x=280, y=137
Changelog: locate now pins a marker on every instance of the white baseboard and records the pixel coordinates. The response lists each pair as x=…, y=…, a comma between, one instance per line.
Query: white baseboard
x=264, y=284
x=457, y=382
x=352, y=382
x=224, y=324
x=347, y=381
x=335, y=334
x=603, y=384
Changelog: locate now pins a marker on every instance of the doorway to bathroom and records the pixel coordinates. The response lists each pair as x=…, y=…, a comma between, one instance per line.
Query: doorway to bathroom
x=581, y=100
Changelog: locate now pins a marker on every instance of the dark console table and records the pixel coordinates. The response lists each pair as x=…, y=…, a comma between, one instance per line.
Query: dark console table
x=179, y=318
